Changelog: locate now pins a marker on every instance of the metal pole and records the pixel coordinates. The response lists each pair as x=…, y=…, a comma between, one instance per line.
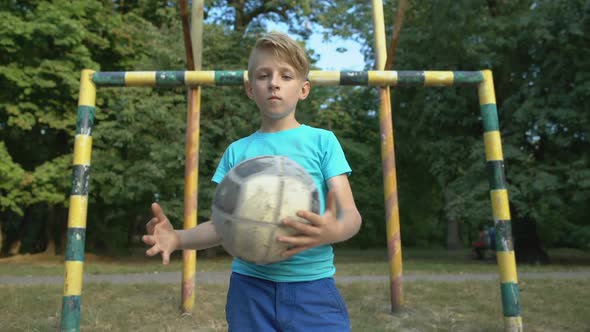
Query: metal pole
x=78, y=209
x=388, y=162
x=376, y=78
x=500, y=205
x=193, y=44
x=399, y=22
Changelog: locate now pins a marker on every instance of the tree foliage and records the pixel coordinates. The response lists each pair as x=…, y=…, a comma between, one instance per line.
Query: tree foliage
x=538, y=54
x=537, y=51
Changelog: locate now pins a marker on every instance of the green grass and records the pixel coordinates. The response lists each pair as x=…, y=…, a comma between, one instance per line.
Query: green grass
x=547, y=305
x=54, y=265
x=470, y=306
x=415, y=261
x=433, y=261
x=348, y=262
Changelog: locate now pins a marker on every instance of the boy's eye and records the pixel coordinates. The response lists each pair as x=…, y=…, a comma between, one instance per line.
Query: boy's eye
x=262, y=76
x=287, y=77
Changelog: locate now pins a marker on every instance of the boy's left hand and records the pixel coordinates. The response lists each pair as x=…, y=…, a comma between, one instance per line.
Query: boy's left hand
x=321, y=230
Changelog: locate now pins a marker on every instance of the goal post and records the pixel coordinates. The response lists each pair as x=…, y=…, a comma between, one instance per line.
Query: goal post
x=91, y=80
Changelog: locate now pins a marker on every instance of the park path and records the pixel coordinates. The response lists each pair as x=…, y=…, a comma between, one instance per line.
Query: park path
x=223, y=278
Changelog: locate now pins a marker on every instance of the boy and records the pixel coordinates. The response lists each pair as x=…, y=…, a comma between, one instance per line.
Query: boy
x=297, y=294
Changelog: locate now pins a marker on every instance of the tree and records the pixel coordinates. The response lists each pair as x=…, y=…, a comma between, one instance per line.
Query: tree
x=536, y=51
x=44, y=46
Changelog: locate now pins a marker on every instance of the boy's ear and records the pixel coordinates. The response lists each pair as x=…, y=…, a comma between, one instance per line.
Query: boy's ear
x=248, y=89
x=305, y=90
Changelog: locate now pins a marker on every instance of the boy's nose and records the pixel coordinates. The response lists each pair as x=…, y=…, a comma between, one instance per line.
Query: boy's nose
x=274, y=82
x=273, y=86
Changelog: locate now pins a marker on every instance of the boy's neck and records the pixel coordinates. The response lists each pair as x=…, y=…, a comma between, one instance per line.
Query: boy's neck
x=273, y=126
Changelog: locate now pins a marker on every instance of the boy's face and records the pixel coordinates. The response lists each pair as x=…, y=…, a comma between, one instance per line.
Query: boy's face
x=275, y=85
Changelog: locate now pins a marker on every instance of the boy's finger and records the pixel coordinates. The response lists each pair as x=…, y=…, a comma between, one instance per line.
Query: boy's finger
x=296, y=241
x=153, y=251
x=150, y=225
x=314, y=219
x=157, y=211
x=301, y=227
x=165, y=257
x=148, y=239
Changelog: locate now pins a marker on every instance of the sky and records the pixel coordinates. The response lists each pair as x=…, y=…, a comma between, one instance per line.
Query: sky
x=329, y=57
x=350, y=57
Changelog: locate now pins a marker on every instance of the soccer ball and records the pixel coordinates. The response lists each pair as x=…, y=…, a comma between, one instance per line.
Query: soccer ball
x=253, y=198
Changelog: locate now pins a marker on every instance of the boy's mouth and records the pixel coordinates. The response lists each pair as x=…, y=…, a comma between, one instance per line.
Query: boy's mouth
x=274, y=98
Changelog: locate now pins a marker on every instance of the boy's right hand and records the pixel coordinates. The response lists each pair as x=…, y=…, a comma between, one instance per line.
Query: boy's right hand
x=161, y=235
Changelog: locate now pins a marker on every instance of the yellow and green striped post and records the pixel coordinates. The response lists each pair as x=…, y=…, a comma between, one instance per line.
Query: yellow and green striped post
x=376, y=78
x=394, y=243
x=74, y=258
x=500, y=206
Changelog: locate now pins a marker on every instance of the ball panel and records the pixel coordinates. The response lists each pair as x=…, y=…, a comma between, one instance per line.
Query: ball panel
x=255, y=165
x=295, y=197
x=259, y=199
x=253, y=243
x=315, y=201
x=249, y=240
x=227, y=195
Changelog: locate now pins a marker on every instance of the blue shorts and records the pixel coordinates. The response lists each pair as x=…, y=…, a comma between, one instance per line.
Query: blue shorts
x=259, y=305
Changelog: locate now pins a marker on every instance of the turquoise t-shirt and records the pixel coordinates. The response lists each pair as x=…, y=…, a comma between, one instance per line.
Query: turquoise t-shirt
x=320, y=153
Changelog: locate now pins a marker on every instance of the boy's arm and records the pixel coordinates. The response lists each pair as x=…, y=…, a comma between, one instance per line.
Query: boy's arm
x=340, y=222
x=347, y=215
x=164, y=239
x=202, y=236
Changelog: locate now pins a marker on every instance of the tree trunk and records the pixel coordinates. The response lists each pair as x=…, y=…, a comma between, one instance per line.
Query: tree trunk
x=15, y=248
x=50, y=231
x=527, y=245
x=63, y=230
x=453, y=234
x=135, y=230
x=7, y=233
x=240, y=19
x=17, y=241
x=493, y=7
x=453, y=238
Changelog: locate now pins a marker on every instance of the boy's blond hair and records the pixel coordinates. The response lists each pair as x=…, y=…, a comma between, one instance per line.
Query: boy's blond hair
x=284, y=48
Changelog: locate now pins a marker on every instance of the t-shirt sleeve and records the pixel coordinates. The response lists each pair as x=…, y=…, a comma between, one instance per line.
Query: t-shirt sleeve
x=334, y=161
x=225, y=164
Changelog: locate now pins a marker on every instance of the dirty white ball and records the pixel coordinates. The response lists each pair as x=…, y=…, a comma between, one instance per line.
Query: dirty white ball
x=253, y=198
